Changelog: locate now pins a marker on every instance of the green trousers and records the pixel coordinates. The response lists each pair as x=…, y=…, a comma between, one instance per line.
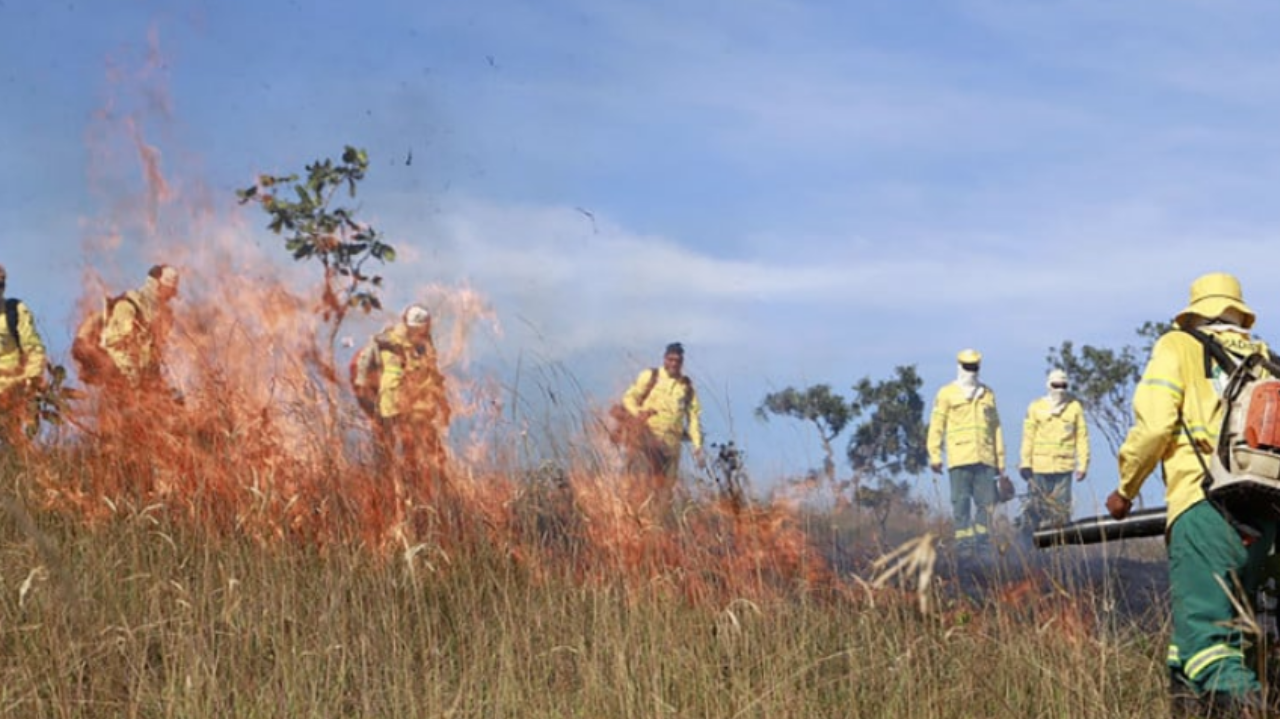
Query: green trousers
x=973, y=494
x=1203, y=547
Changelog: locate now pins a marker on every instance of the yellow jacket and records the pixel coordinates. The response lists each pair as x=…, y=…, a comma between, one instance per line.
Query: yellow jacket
x=1174, y=386
x=411, y=382
x=677, y=411
x=133, y=333
x=1055, y=443
x=23, y=360
x=971, y=427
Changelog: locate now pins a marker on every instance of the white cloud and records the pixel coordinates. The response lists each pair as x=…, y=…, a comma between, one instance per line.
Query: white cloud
x=573, y=285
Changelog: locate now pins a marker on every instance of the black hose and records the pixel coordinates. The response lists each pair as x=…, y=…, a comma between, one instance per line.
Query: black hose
x=1093, y=530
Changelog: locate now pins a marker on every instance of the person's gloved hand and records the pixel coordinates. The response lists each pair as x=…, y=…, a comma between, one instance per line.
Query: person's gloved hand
x=1004, y=488
x=1080, y=476
x=936, y=467
x=1026, y=473
x=1118, y=506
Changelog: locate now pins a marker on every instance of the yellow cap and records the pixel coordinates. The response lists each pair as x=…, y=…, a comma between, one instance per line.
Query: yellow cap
x=969, y=357
x=1213, y=293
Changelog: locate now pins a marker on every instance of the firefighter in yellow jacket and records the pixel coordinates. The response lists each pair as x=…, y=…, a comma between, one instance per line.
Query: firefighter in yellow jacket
x=964, y=414
x=1055, y=451
x=22, y=358
x=1178, y=398
x=664, y=400
x=413, y=408
x=137, y=326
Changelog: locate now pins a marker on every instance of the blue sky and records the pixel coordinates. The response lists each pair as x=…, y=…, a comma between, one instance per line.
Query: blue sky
x=801, y=192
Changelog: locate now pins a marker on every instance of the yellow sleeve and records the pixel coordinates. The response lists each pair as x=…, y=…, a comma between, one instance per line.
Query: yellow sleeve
x=631, y=400
x=937, y=427
x=1082, y=440
x=1156, y=403
x=695, y=419
x=995, y=417
x=32, y=346
x=390, y=383
x=1028, y=436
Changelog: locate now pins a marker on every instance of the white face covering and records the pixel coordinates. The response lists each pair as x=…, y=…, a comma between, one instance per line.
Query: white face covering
x=1220, y=326
x=1057, y=400
x=968, y=382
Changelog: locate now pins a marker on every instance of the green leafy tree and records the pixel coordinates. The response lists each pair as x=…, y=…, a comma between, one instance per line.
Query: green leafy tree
x=1103, y=379
x=315, y=227
x=827, y=411
x=890, y=442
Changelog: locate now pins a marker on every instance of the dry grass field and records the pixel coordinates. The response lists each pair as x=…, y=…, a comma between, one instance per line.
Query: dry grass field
x=520, y=597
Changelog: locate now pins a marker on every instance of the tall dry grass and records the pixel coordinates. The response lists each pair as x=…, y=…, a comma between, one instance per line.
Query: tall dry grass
x=141, y=613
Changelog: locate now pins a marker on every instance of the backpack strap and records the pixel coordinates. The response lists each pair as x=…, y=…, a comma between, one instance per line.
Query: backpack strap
x=123, y=297
x=381, y=342
x=109, y=307
x=653, y=381
x=11, y=305
x=648, y=388
x=1213, y=351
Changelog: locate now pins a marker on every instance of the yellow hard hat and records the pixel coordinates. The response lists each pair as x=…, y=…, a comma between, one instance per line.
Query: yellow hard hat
x=969, y=356
x=1213, y=293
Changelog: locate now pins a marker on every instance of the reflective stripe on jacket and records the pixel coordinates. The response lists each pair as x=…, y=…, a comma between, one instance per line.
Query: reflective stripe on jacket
x=1174, y=386
x=971, y=428
x=1055, y=443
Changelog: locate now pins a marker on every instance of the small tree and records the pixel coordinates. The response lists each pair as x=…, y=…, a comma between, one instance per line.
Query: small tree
x=892, y=440
x=314, y=227
x=828, y=412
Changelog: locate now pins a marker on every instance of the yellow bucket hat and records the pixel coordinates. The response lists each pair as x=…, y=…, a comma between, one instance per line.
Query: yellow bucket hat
x=1213, y=293
x=969, y=357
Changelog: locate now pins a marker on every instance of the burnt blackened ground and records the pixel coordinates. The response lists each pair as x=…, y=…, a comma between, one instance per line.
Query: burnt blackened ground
x=1127, y=582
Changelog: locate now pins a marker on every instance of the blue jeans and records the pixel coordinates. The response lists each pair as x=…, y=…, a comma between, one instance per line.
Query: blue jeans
x=973, y=494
